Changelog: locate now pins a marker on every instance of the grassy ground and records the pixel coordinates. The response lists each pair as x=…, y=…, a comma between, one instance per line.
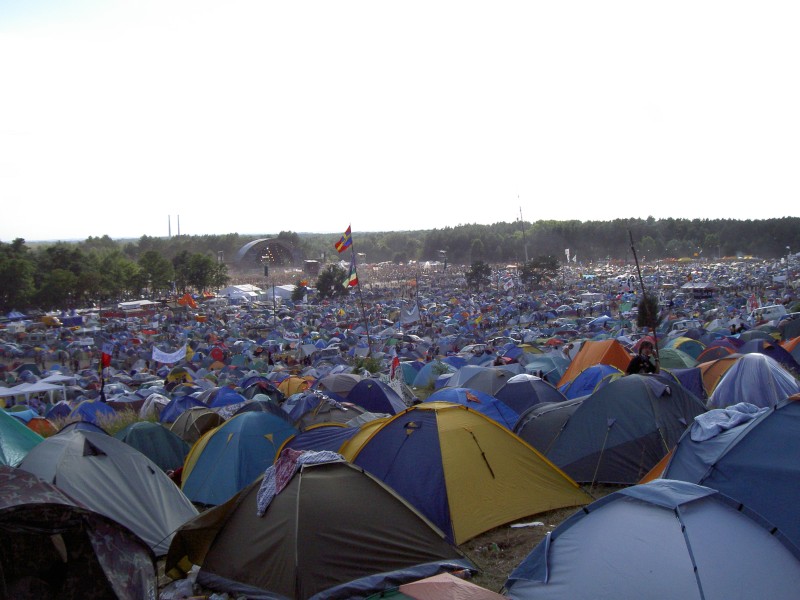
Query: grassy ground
x=499, y=551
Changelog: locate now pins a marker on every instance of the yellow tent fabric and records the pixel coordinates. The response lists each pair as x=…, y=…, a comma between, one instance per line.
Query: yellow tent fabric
x=592, y=352
x=491, y=476
x=293, y=385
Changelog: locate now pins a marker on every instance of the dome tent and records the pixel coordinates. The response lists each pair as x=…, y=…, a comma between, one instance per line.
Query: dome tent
x=309, y=536
x=661, y=540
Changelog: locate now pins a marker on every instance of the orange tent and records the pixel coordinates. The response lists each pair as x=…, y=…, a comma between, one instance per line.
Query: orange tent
x=44, y=427
x=607, y=352
x=187, y=300
x=714, y=370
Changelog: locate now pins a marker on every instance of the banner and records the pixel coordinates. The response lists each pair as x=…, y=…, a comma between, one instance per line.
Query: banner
x=169, y=357
x=409, y=316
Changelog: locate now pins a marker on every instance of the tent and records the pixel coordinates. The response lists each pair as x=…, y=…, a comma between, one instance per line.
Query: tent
x=774, y=350
x=524, y=390
x=324, y=436
x=755, y=378
x=617, y=434
x=607, y=352
x=462, y=470
x=446, y=586
x=232, y=456
x=754, y=460
x=714, y=370
x=109, y=477
x=333, y=532
x=338, y=383
x=156, y=442
x=589, y=380
x=93, y=411
x=661, y=540
x=16, y=440
x=376, y=396
x=51, y=547
x=192, y=423
x=482, y=379
x=177, y=406
x=478, y=401
x=686, y=345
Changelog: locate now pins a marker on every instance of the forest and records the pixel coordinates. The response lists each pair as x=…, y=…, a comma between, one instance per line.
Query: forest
x=99, y=269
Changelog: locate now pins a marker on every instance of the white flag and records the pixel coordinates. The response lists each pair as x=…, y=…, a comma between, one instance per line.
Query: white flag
x=566, y=251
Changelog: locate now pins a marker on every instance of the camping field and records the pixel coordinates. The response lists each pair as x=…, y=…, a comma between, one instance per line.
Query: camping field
x=497, y=552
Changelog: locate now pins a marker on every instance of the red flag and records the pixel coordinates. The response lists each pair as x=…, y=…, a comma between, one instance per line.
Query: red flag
x=395, y=364
x=345, y=242
x=105, y=360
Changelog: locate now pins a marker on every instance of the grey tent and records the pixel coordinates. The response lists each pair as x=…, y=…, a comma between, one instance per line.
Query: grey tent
x=192, y=423
x=615, y=435
x=661, y=540
x=334, y=531
x=115, y=480
x=50, y=547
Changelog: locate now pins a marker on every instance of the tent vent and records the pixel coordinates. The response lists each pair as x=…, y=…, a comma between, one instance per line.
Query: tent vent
x=89, y=449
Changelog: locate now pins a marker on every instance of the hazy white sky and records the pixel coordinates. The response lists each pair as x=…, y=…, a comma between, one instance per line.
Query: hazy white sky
x=258, y=116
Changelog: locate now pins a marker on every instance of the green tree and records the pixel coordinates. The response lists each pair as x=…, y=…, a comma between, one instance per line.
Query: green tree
x=201, y=271
x=478, y=275
x=17, y=272
x=157, y=270
x=330, y=282
x=180, y=263
x=57, y=289
x=539, y=269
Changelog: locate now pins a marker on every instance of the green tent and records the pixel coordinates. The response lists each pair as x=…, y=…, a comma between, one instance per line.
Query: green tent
x=15, y=440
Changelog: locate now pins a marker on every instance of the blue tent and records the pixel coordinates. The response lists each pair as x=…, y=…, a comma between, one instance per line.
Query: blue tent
x=376, y=396
x=772, y=349
x=755, y=378
x=323, y=436
x=478, y=401
x=662, y=540
x=755, y=460
x=588, y=380
x=92, y=411
x=232, y=456
x=617, y=434
x=691, y=379
x=524, y=390
x=176, y=406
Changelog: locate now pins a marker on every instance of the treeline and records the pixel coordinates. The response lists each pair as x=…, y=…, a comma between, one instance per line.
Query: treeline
x=75, y=275
x=99, y=269
x=589, y=240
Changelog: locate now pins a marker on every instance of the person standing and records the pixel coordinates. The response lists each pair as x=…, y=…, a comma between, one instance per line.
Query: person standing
x=644, y=362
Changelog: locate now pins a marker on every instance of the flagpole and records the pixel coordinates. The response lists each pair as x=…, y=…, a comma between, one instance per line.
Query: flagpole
x=361, y=299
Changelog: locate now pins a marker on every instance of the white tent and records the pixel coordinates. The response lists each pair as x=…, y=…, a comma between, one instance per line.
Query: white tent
x=28, y=389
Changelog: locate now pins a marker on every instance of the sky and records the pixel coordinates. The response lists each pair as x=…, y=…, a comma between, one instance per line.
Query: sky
x=120, y=118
